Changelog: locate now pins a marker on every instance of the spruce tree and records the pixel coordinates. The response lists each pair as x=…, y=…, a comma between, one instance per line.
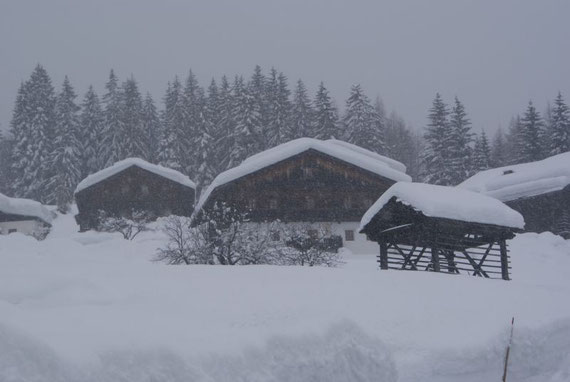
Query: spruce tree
x=113, y=145
x=400, y=143
x=91, y=133
x=560, y=127
x=260, y=91
x=226, y=139
x=193, y=101
x=32, y=126
x=66, y=158
x=459, y=143
x=246, y=116
x=134, y=136
x=531, y=135
x=326, y=117
x=302, y=116
x=173, y=144
x=151, y=127
x=499, y=150
x=279, y=110
x=481, y=154
x=435, y=158
x=361, y=123
x=514, y=141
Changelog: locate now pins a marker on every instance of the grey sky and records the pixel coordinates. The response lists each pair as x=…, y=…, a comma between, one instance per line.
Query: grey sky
x=495, y=55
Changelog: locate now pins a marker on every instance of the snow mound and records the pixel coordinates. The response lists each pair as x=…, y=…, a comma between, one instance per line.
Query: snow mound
x=522, y=180
x=168, y=173
x=346, y=152
x=448, y=202
x=25, y=207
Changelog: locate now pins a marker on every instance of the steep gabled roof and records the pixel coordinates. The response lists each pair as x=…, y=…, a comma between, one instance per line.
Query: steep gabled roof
x=522, y=180
x=348, y=154
x=168, y=173
x=448, y=203
x=25, y=207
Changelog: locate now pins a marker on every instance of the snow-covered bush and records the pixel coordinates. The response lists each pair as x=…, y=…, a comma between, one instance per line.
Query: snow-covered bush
x=186, y=244
x=129, y=227
x=310, y=244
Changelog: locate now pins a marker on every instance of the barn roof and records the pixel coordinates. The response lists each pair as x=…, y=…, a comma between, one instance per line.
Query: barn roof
x=522, y=180
x=448, y=203
x=24, y=207
x=345, y=152
x=168, y=173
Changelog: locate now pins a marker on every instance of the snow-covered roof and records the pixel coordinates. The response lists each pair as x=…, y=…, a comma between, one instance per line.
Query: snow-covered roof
x=25, y=207
x=286, y=150
x=389, y=161
x=522, y=180
x=168, y=173
x=449, y=203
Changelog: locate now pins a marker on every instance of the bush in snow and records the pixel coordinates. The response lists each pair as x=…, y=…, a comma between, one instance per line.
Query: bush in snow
x=129, y=227
x=310, y=244
x=186, y=244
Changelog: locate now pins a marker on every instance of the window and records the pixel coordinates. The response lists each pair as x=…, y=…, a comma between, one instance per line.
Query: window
x=507, y=172
x=275, y=236
x=12, y=230
x=307, y=172
x=310, y=202
x=313, y=233
x=273, y=203
x=349, y=235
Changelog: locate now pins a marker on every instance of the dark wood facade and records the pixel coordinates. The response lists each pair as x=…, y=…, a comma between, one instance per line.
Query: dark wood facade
x=133, y=189
x=308, y=187
x=546, y=212
x=409, y=240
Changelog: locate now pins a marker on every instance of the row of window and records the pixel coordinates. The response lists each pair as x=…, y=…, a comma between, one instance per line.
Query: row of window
x=310, y=203
x=348, y=234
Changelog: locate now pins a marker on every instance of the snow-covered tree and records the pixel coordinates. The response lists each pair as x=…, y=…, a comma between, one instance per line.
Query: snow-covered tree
x=66, y=158
x=193, y=101
x=559, y=128
x=499, y=150
x=113, y=147
x=134, y=135
x=514, y=141
x=246, y=116
x=151, y=127
x=279, y=110
x=173, y=141
x=459, y=143
x=532, y=133
x=226, y=138
x=435, y=158
x=32, y=127
x=481, y=154
x=302, y=116
x=91, y=133
x=401, y=144
x=259, y=91
x=326, y=117
x=361, y=123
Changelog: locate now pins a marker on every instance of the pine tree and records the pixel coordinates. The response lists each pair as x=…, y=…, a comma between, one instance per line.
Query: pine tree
x=459, y=144
x=226, y=140
x=173, y=144
x=279, y=110
x=135, y=142
x=499, y=150
x=33, y=130
x=66, y=158
x=326, y=118
x=481, y=154
x=246, y=115
x=435, y=158
x=151, y=127
x=560, y=127
x=361, y=122
x=531, y=135
x=259, y=89
x=401, y=144
x=302, y=116
x=113, y=145
x=514, y=141
x=91, y=133
x=193, y=101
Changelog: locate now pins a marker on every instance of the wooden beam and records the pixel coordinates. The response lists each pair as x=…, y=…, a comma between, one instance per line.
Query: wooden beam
x=383, y=255
x=476, y=267
x=435, y=259
x=504, y=260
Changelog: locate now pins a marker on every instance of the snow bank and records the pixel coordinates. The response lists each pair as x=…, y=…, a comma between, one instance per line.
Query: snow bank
x=345, y=152
x=448, y=202
x=25, y=207
x=522, y=180
x=168, y=173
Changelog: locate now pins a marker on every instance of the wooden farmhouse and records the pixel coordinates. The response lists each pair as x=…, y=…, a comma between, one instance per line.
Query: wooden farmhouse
x=308, y=180
x=540, y=191
x=24, y=215
x=442, y=229
x=133, y=185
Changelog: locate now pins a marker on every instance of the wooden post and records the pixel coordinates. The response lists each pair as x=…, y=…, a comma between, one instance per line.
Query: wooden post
x=435, y=258
x=383, y=255
x=504, y=260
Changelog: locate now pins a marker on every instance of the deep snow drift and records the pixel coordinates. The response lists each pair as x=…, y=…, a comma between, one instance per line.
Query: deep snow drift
x=92, y=307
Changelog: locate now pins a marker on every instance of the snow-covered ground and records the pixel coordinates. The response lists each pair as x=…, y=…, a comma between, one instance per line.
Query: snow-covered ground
x=92, y=307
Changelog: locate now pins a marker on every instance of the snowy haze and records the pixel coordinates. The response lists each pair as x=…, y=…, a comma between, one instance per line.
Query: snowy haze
x=494, y=55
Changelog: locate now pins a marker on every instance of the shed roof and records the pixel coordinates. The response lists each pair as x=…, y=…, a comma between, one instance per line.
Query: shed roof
x=25, y=207
x=122, y=165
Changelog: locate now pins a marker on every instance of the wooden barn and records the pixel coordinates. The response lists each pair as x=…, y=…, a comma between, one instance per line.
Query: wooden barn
x=540, y=191
x=133, y=185
x=308, y=180
x=442, y=229
x=25, y=216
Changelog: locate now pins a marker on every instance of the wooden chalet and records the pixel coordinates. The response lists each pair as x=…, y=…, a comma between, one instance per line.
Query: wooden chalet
x=540, y=191
x=25, y=216
x=133, y=185
x=307, y=180
x=442, y=229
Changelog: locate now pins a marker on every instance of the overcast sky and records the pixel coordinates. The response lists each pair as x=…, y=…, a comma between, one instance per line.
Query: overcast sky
x=495, y=55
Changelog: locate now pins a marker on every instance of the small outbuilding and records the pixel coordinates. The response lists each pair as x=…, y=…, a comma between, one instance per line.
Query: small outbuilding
x=24, y=215
x=133, y=185
x=442, y=229
x=540, y=191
